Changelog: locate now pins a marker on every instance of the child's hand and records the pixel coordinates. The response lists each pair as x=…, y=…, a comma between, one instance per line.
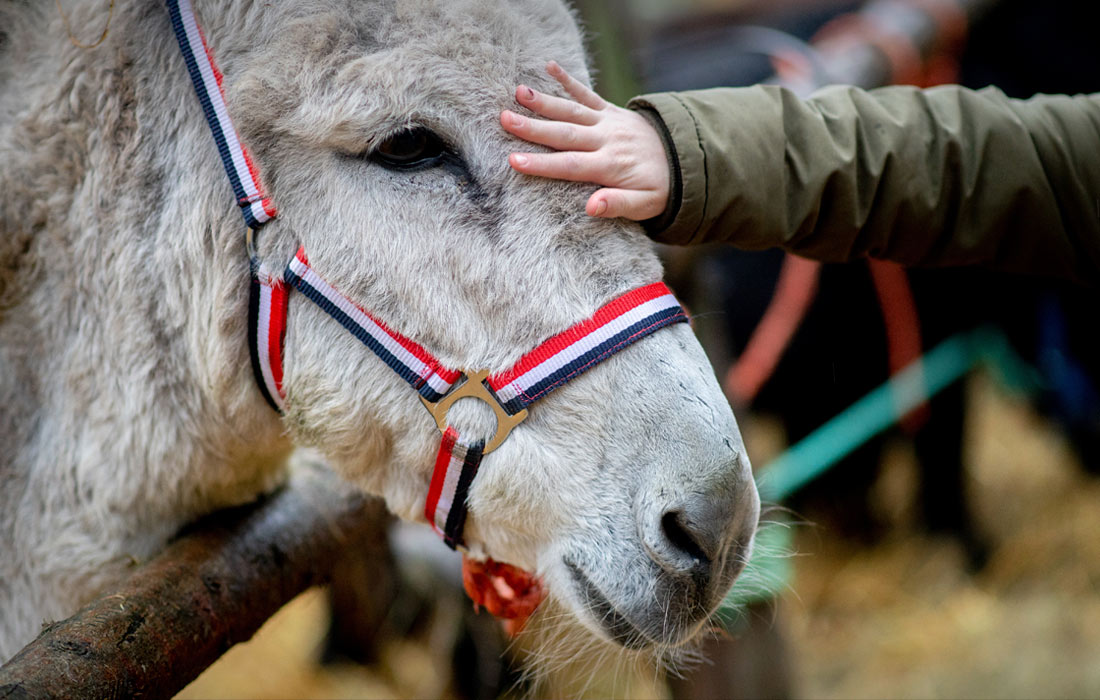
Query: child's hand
x=596, y=142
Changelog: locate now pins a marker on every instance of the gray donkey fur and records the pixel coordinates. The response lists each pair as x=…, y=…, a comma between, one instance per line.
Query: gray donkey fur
x=127, y=403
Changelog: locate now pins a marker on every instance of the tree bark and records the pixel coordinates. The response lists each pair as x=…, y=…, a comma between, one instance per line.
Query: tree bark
x=211, y=588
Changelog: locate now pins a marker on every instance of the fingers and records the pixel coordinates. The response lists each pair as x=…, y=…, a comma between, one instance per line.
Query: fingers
x=568, y=165
x=558, y=135
x=580, y=110
x=593, y=141
x=637, y=205
x=576, y=89
x=556, y=108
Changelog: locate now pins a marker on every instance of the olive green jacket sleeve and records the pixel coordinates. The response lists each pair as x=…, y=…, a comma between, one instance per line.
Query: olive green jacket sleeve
x=942, y=176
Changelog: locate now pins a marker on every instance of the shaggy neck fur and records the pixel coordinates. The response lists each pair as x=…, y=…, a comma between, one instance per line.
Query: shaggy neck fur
x=124, y=380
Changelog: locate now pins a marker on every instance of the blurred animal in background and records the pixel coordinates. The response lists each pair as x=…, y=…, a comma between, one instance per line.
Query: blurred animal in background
x=128, y=401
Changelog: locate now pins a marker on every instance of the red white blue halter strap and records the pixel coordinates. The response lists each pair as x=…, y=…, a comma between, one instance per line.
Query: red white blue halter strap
x=554, y=362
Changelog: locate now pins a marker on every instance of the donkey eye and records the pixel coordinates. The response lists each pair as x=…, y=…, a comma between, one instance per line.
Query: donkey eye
x=409, y=148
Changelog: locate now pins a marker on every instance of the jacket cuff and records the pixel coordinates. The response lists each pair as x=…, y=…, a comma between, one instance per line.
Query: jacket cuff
x=675, y=184
x=685, y=211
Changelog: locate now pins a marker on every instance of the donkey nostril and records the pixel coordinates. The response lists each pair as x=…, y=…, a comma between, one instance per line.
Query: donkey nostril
x=680, y=534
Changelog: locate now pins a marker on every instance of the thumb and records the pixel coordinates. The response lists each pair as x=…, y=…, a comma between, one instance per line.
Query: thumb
x=611, y=202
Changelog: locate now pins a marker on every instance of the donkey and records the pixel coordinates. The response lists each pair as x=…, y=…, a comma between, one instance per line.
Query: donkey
x=128, y=406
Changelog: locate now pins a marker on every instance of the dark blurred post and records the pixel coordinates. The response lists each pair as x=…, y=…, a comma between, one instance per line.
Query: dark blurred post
x=362, y=590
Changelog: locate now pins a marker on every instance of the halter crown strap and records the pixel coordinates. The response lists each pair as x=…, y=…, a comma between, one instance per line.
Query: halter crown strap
x=207, y=79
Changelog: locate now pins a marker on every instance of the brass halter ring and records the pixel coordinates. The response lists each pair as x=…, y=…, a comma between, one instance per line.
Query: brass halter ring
x=474, y=388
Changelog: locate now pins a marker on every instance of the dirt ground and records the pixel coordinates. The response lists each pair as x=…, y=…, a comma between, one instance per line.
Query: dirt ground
x=901, y=619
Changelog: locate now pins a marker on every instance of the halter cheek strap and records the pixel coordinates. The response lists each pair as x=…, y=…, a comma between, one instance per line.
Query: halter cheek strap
x=267, y=296
x=456, y=466
x=267, y=299
x=556, y=361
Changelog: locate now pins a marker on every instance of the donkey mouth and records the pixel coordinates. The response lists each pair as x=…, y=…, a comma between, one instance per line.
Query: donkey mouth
x=614, y=623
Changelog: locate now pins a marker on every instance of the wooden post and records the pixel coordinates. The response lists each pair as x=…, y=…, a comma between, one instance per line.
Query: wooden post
x=211, y=588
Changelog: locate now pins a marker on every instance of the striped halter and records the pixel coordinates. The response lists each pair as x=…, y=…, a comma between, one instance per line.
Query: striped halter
x=557, y=360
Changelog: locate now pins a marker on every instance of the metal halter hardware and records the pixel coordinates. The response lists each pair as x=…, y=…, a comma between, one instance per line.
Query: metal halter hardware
x=474, y=388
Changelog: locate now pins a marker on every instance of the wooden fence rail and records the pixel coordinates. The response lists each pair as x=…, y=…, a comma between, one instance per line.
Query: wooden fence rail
x=211, y=588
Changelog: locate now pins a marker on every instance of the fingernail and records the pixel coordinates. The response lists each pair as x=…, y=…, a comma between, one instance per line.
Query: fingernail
x=601, y=207
x=515, y=119
x=527, y=93
x=519, y=159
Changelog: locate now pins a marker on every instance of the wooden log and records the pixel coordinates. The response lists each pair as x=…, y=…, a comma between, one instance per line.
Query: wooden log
x=211, y=588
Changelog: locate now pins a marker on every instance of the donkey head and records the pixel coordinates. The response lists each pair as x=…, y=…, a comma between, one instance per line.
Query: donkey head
x=374, y=126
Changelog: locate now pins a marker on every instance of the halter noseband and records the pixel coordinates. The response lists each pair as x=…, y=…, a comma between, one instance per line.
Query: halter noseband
x=554, y=362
